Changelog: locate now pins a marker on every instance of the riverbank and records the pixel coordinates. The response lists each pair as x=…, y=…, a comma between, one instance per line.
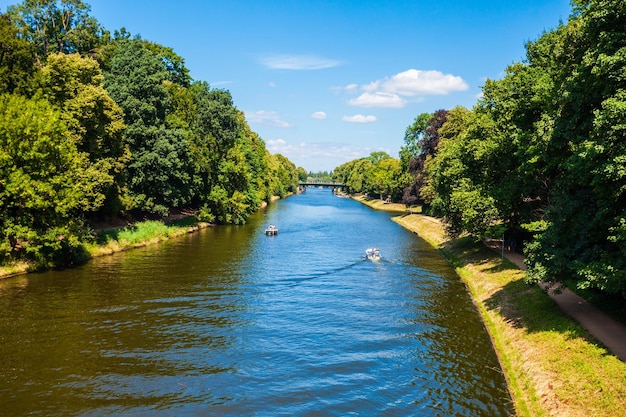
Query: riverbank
x=115, y=236
x=553, y=366
x=110, y=240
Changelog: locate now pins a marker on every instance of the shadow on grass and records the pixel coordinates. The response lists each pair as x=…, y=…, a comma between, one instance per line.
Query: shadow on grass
x=522, y=305
x=466, y=251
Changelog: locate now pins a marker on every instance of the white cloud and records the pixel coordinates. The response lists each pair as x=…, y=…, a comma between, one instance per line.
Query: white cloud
x=320, y=115
x=359, y=118
x=268, y=118
x=390, y=91
x=276, y=143
x=378, y=99
x=272, y=84
x=423, y=83
x=298, y=62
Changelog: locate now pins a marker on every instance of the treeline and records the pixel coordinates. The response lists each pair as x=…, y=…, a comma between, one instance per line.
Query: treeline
x=95, y=125
x=543, y=152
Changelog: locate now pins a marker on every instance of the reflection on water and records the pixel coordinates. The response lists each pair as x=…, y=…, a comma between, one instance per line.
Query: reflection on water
x=228, y=321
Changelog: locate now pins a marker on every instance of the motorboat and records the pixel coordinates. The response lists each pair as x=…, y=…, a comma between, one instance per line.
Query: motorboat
x=373, y=254
x=271, y=230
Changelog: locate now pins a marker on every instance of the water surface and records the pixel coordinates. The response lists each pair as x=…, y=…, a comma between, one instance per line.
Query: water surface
x=228, y=321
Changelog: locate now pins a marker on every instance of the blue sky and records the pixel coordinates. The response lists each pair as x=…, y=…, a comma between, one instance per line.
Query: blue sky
x=325, y=82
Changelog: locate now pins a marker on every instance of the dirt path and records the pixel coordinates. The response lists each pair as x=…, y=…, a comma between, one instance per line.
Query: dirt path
x=608, y=331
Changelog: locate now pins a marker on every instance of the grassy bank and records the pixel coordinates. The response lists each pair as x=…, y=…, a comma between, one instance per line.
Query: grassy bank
x=112, y=240
x=552, y=365
x=109, y=241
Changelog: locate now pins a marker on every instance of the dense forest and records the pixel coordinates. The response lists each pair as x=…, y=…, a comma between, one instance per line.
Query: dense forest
x=542, y=153
x=97, y=125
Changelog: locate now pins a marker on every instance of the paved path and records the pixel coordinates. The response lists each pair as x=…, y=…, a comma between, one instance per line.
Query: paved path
x=607, y=330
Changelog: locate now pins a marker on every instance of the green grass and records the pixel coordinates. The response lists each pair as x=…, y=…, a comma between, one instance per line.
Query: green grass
x=142, y=233
x=139, y=233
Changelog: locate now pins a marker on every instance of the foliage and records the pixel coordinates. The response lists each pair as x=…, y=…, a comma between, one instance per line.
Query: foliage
x=421, y=140
x=17, y=61
x=544, y=148
x=95, y=127
x=47, y=183
x=57, y=26
x=379, y=176
x=160, y=170
x=75, y=85
x=585, y=234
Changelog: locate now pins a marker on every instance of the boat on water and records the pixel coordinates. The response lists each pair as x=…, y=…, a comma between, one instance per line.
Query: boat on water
x=373, y=254
x=271, y=230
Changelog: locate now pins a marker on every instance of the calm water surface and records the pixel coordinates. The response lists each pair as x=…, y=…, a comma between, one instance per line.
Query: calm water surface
x=228, y=321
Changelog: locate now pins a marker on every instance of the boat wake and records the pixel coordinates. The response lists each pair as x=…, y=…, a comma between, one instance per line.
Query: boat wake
x=293, y=280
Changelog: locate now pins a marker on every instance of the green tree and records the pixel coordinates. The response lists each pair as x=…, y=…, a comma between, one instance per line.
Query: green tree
x=160, y=172
x=47, y=184
x=455, y=175
x=17, y=60
x=302, y=174
x=383, y=178
x=412, y=137
x=75, y=85
x=57, y=26
x=584, y=237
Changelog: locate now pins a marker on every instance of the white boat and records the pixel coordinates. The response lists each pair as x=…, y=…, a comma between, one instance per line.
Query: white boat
x=373, y=254
x=271, y=230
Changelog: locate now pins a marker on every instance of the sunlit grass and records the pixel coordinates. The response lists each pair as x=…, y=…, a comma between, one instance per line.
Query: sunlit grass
x=14, y=268
x=381, y=205
x=151, y=231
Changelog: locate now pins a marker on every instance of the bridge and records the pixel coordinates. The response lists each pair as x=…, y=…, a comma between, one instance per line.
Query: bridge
x=320, y=184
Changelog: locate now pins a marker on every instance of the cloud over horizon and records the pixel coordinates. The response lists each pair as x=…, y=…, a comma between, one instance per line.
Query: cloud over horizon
x=325, y=155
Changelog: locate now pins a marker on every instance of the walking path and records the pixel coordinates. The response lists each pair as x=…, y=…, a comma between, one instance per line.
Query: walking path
x=604, y=328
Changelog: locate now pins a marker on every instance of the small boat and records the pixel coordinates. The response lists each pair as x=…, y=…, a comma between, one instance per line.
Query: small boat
x=373, y=254
x=271, y=230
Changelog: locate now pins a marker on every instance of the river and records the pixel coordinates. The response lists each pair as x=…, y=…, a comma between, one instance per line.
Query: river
x=228, y=321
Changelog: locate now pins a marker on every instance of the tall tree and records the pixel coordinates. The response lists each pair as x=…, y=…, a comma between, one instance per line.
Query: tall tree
x=47, y=183
x=424, y=138
x=57, y=26
x=75, y=85
x=160, y=172
x=585, y=236
x=17, y=59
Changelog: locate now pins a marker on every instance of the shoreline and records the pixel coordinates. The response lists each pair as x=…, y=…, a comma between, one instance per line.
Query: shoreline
x=552, y=365
x=112, y=247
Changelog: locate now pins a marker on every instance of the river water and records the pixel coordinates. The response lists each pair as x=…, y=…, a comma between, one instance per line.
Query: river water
x=228, y=321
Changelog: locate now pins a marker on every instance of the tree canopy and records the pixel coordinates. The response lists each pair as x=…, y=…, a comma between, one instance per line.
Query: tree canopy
x=96, y=126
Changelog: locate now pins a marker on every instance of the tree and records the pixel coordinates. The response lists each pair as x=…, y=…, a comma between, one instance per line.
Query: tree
x=383, y=178
x=47, y=184
x=75, y=85
x=584, y=237
x=57, y=26
x=412, y=137
x=17, y=60
x=456, y=184
x=424, y=137
x=160, y=172
x=302, y=174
